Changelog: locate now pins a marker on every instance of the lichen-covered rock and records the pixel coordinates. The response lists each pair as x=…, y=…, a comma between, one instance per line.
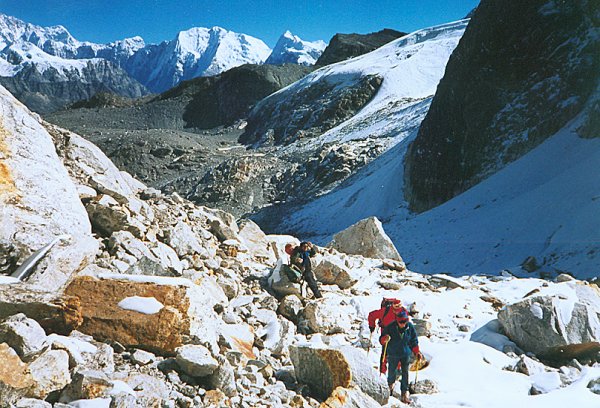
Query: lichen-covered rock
x=351, y=397
x=325, y=369
x=50, y=372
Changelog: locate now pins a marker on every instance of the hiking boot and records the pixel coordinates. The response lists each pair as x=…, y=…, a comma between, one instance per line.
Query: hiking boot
x=404, y=398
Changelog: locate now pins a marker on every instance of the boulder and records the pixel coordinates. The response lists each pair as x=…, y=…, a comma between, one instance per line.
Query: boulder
x=290, y=307
x=563, y=324
x=15, y=380
x=183, y=240
x=366, y=238
x=349, y=398
x=86, y=384
x=142, y=357
x=223, y=377
x=53, y=311
x=24, y=335
x=364, y=376
x=107, y=215
x=186, y=313
x=238, y=337
x=325, y=369
x=276, y=333
x=256, y=241
x=39, y=202
x=50, y=372
x=328, y=316
x=195, y=360
x=331, y=270
x=32, y=403
x=85, y=353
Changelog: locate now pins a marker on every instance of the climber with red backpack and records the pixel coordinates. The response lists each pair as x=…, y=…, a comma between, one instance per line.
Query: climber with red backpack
x=384, y=316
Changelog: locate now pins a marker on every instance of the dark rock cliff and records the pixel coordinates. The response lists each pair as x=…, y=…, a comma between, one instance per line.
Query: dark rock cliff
x=344, y=46
x=522, y=70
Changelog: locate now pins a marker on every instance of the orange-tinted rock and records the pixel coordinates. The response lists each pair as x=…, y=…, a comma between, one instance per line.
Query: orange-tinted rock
x=15, y=380
x=186, y=312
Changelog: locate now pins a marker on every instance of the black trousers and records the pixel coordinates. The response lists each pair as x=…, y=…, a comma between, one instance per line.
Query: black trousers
x=309, y=277
x=393, y=361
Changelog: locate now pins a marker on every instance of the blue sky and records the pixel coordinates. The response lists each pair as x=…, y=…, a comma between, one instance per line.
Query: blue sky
x=157, y=20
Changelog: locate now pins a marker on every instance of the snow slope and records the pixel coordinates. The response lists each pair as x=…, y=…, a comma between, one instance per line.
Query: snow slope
x=545, y=204
x=411, y=68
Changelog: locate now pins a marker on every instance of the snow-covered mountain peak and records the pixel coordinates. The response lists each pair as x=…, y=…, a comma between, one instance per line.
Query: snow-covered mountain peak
x=292, y=49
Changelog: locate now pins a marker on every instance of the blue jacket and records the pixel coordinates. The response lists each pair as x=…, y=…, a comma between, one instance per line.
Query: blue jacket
x=401, y=341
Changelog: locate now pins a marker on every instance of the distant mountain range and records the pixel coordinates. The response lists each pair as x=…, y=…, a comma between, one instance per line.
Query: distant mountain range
x=43, y=60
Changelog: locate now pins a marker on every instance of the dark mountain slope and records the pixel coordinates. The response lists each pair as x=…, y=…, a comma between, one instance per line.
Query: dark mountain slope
x=522, y=70
x=53, y=90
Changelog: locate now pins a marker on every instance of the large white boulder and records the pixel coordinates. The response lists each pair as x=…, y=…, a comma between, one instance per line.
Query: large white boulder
x=329, y=315
x=559, y=322
x=39, y=201
x=366, y=238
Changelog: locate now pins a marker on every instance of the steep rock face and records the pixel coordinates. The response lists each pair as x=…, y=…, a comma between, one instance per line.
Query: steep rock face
x=519, y=74
x=344, y=46
x=52, y=89
x=39, y=202
x=309, y=111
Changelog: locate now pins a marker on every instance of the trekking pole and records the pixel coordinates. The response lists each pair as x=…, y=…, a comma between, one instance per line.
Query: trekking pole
x=370, y=342
x=384, y=354
x=417, y=371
